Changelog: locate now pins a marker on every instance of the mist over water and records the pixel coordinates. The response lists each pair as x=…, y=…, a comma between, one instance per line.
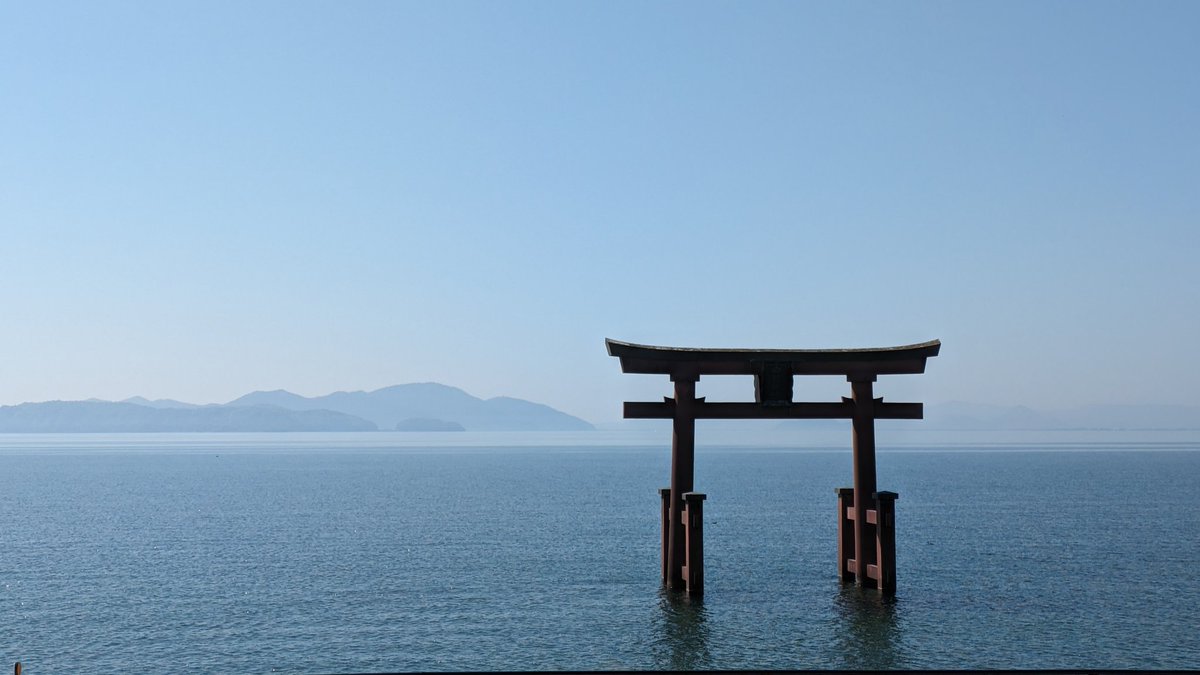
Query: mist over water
x=319, y=554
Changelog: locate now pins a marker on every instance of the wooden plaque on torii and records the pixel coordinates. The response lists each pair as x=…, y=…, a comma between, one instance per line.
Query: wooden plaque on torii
x=866, y=516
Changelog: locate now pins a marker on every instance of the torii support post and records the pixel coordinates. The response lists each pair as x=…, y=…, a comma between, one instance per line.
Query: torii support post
x=885, y=540
x=864, y=477
x=866, y=518
x=693, y=537
x=665, y=493
x=881, y=553
x=683, y=463
x=692, y=515
x=845, y=521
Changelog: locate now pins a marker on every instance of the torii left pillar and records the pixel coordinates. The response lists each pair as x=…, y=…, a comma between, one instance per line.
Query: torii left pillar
x=682, y=535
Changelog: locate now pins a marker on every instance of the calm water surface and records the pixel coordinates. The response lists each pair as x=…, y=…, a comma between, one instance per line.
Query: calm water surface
x=270, y=554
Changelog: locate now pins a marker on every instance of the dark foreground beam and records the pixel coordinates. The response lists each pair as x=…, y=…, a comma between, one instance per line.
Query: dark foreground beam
x=743, y=411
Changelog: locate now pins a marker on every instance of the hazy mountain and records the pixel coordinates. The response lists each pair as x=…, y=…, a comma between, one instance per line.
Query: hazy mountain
x=159, y=403
x=958, y=415
x=1101, y=417
x=406, y=407
x=1136, y=417
x=125, y=417
x=983, y=417
x=278, y=397
x=390, y=406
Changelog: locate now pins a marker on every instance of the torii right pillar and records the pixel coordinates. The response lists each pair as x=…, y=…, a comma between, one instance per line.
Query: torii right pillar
x=866, y=517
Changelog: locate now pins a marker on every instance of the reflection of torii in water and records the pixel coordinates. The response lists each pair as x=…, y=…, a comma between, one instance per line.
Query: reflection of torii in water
x=866, y=525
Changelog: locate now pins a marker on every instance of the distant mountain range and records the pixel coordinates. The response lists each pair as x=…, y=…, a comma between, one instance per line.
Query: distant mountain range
x=406, y=407
x=437, y=407
x=1100, y=417
x=982, y=417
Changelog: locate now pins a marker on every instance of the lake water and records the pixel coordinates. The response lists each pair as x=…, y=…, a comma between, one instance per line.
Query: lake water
x=391, y=552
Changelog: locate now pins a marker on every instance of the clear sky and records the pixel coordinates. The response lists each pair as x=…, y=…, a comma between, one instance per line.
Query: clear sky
x=200, y=199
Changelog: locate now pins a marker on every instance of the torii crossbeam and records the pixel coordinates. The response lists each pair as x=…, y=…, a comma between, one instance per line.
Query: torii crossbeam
x=866, y=517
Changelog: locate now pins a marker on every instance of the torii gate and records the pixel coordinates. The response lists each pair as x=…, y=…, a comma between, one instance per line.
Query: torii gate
x=866, y=526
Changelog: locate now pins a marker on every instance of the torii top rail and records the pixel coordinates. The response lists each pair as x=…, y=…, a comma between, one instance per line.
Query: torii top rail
x=773, y=371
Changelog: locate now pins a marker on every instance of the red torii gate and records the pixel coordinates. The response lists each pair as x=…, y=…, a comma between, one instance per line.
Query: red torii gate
x=866, y=525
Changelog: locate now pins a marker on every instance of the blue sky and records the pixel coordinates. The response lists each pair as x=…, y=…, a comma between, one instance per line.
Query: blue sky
x=202, y=199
